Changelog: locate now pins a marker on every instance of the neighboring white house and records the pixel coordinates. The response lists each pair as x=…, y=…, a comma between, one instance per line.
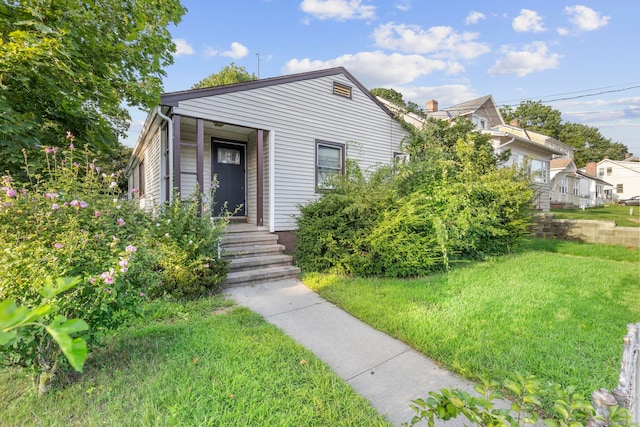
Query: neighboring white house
x=593, y=190
x=565, y=183
x=624, y=176
x=270, y=143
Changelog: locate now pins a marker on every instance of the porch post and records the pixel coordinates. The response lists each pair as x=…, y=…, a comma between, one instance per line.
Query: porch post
x=259, y=177
x=200, y=160
x=176, y=155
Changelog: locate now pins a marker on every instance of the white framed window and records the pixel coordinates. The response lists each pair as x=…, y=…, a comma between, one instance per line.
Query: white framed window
x=329, y=162
x=609, y=170
x=619, y=188
x=601, y=171
x=539, y=170
x=564, y=186
x=576, y=187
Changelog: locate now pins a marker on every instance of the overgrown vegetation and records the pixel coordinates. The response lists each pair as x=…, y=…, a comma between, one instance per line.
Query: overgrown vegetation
x=201, y=363
x=451, y=202
x=72, y=221
x=76, y=66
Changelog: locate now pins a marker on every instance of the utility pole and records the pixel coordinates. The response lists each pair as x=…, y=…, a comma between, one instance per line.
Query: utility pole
x=258, y=55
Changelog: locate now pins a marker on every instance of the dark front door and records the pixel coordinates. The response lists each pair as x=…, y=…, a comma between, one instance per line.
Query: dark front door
x=229, y=167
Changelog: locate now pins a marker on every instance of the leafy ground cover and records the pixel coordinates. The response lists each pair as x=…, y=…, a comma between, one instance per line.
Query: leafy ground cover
x=201, y=363
x=557, y=310
x=620, y=214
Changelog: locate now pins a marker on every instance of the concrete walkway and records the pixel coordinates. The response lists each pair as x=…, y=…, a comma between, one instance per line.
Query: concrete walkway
x=384, y=370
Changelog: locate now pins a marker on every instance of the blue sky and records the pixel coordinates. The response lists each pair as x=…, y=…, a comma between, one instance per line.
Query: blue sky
x=581, y=57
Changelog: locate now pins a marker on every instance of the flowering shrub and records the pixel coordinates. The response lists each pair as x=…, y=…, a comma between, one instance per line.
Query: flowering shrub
x=188, y=248
x=70, y=221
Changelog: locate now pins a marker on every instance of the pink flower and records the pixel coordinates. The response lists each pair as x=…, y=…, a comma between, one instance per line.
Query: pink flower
x=69, y=135
x=124, y=269
x=96, y=214
x=83, y=204
x=58, y=245
x=134, y=191
x=51, y=195
x=55, y=206
x=92, y=166
x=11, y=192
x=120, y=222
x=107, y=276
x=98, y=169
x=123, y=263
x=131, y=248
x=141, y=294
x=74, y=203
x=92, y=280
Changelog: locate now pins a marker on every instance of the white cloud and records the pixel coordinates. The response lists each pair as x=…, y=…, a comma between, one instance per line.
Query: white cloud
x=182, y=47
x=237, y=51
x=339, y=10
x=441, y=41
x=527, y=21
x=586, y=19
x=375, y=69
x=474, y=17
x=533, y=57
x=403, y=5
x=563, y=31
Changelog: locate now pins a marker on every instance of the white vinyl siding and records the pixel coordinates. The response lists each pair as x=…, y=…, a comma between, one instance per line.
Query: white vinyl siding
x=300, y=113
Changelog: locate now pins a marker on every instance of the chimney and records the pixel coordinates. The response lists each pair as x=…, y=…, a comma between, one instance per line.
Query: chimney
x=432, y=106
x=591, y=168
x=627, y=155
x=515, y=122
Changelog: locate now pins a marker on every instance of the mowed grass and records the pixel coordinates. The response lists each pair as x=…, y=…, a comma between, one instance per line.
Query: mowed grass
x=199, y=364
x=557, y=310
x=624, y=216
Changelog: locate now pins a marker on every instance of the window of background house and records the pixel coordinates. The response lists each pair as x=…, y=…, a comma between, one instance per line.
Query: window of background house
x=329, y=162
x=619, y=188
x=608, y=171
x=564, y=185
x=601, y=171
x=576, y=187
x=539, y=170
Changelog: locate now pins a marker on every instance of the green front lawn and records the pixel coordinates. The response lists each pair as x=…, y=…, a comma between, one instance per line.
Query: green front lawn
x=557, y=310
x=195, y=364
x=620, y=214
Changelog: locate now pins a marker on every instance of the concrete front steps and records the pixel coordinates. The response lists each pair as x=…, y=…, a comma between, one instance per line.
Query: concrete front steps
x=255, y=256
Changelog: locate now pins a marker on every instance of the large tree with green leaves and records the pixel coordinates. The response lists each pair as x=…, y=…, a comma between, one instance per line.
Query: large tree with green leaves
x=590, y=145
x=229, y=74
x=74, y=65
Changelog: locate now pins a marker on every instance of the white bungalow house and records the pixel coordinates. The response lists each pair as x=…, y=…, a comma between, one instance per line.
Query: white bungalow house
x=593, y=190
x=624, y=176
x=270, y=143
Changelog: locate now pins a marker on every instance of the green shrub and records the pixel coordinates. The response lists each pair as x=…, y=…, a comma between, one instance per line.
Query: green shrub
x=70, y=221
x=450, y=203
x=187, y=246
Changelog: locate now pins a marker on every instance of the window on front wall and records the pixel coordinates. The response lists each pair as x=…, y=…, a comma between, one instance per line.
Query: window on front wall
x=141, y=179
x=576, y=187
x=329, y=163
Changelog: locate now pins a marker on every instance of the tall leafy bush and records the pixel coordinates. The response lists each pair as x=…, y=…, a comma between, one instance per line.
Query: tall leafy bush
x=449, y=203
